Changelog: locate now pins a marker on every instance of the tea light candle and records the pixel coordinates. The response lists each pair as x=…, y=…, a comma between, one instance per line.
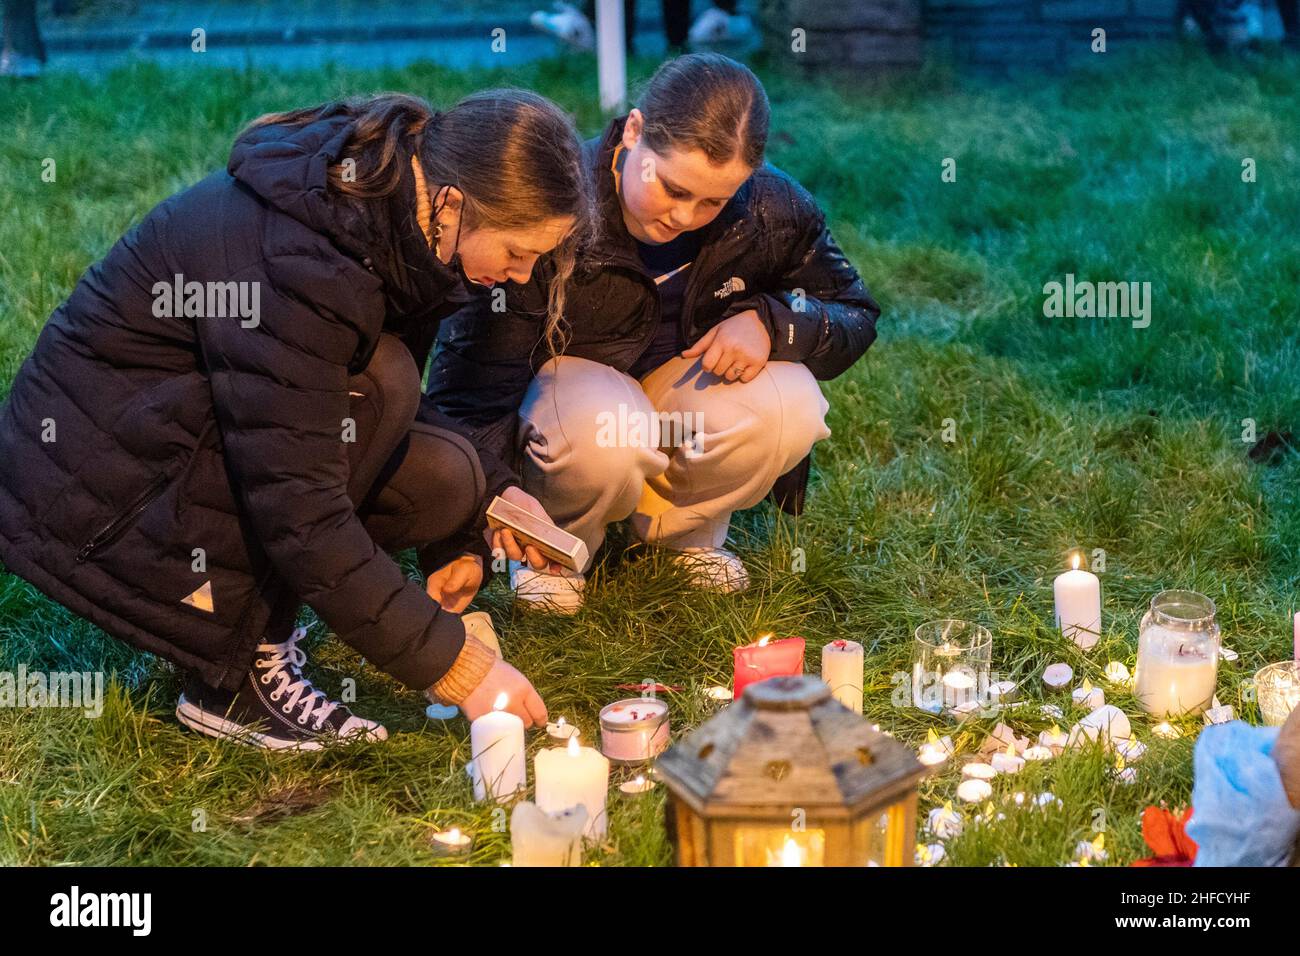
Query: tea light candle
x=1122, y=772
x=1131, y=749
x=958, y=688
x=977, y=770
x=561, y=730
x=935, y=750
x=632, y=788
x=718, y=692
x=1007, y=761
x=452, y=843
x=974, y=791
x=1117, y=673
x=538, y=838
x=1058, y=675
x=634, y=730
x=1087, y=696
x=842, y=671
x=1218, y=713
x=573, y=776
x=1078, y=605
x=766, y=658
x=499, y=768
x=1165, y=729
x=1039, y=752
x=1054, y=738
x=1002, y=691
x=944, y=822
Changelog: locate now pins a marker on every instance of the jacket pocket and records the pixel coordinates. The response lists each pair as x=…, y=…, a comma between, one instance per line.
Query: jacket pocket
x=114, y=529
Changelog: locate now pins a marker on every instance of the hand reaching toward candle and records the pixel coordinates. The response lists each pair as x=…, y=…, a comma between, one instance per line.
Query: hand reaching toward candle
x=454, y=584
x=521, y=699
x=502, y=539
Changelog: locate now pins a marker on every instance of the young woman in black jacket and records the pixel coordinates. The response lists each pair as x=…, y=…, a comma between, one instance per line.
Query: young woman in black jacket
x=224, y=419
x=699, y=323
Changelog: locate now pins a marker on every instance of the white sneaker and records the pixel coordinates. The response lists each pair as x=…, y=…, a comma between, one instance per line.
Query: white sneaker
x=567, y=23
x=557, y=593
x=713, y=569
x=718, y=26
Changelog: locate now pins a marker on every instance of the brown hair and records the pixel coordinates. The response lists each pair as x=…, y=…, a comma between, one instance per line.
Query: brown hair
x=514, y=156
x=709, y=102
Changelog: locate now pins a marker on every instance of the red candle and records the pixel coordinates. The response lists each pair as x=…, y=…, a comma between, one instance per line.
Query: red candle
x=767, y=658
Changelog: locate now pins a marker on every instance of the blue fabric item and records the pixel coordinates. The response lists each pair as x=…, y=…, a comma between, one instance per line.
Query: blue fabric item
x=1240, y=812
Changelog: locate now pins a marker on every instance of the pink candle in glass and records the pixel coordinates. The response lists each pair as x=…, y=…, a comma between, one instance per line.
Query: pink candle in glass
x=766, y=658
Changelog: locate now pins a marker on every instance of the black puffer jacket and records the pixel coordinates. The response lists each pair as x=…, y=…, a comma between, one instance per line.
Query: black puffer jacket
x=768, y=250
x=129, y=440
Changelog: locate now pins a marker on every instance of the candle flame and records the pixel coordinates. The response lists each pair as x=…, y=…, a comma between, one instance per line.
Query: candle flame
x=454, y=834
x=1087, y=686
x=573, y=748
x=947, y=806
x=1099, y=843
x=1055, y=731
x=560, y=722
x=1074, y=562
x=640, y=780
x=762, y=641
x=501, y=701
x=790, y=853
x=1011, y=750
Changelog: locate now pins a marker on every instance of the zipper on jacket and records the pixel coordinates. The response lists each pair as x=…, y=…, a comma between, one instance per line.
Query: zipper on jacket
x=118, y=524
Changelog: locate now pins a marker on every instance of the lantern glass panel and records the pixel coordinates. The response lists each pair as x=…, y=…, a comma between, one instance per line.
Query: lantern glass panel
x=779, y=846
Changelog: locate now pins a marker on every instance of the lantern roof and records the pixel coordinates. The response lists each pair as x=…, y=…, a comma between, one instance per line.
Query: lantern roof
x=788, y=743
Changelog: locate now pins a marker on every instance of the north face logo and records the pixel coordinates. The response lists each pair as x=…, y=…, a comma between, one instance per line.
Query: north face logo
x=201, y=599
x=730, y=287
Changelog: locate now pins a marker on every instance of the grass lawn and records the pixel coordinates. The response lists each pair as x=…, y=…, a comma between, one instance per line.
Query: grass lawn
x=1069, y=433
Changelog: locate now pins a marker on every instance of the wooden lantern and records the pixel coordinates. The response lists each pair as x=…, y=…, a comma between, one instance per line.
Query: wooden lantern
x=788, y=776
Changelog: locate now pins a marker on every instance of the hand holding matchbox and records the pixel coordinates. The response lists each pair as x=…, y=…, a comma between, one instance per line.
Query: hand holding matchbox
x=529, y=529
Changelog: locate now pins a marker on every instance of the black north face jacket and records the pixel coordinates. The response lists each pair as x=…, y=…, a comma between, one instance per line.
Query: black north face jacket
x=768, y=249
x=136, y=448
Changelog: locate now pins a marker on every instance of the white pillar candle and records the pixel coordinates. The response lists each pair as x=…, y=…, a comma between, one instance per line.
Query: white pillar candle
x=498, y=766
x=573, y=776
x=842, y=671
x=538, y=838
x=1078, y=605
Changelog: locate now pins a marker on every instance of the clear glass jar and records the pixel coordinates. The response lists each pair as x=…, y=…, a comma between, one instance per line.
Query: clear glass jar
x=1178, y=654
x=950, y=665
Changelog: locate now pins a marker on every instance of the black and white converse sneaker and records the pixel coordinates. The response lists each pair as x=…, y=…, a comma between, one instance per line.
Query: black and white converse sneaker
x=276, y=707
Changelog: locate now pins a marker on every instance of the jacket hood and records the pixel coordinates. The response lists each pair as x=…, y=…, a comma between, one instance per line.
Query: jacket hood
x=287, y=165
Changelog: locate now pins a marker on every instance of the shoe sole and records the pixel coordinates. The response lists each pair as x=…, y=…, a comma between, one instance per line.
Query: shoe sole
x=211, y=725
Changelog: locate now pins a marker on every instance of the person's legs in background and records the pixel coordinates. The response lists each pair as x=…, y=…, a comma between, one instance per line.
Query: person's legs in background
x=585, y=430
x=736, y=439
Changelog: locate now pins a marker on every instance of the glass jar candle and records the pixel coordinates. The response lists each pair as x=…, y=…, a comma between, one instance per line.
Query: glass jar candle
x=1277, y=688
x=950, y=664
x=1178, y=654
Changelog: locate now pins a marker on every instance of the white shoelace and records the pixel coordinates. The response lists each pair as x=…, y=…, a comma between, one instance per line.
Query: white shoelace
x=301, y=693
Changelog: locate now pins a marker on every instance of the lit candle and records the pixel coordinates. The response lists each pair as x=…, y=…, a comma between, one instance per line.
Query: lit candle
x=1174, y=676
x=944, y=822
x=766, y=658
x=1087, y=696
x=973, y=791
x=718, y=692
x=1122, y=772
x=1078, y=605
x=959, y=688
x=538, y=838
x=791, y=854
x=1117, y=673
x=561, y=730
x=1131, y=749
x=1165, y=729
x=1039, y=752
x=842, y=671
x=632, y=788
x=573, y=776
x=1057, y=676
x=1218, y=713
x=1007, y=761
x=1054, y=738
x=498, y=765
x=935, y=750
x=1107, y=722
x=452, y=843
x=1094, y=849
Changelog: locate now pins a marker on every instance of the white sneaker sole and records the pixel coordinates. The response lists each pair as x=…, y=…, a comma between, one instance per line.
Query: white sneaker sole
x=213, y=725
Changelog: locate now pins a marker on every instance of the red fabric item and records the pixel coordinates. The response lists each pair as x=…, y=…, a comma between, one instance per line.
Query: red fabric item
x=1165, y=833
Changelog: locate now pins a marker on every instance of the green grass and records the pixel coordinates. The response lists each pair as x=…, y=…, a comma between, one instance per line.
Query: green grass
x=1069, y=433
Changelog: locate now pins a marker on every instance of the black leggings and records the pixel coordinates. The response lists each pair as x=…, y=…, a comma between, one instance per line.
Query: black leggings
x=416, y=483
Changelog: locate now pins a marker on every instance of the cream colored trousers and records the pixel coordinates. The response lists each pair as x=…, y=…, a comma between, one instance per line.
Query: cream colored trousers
x=677, y=452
